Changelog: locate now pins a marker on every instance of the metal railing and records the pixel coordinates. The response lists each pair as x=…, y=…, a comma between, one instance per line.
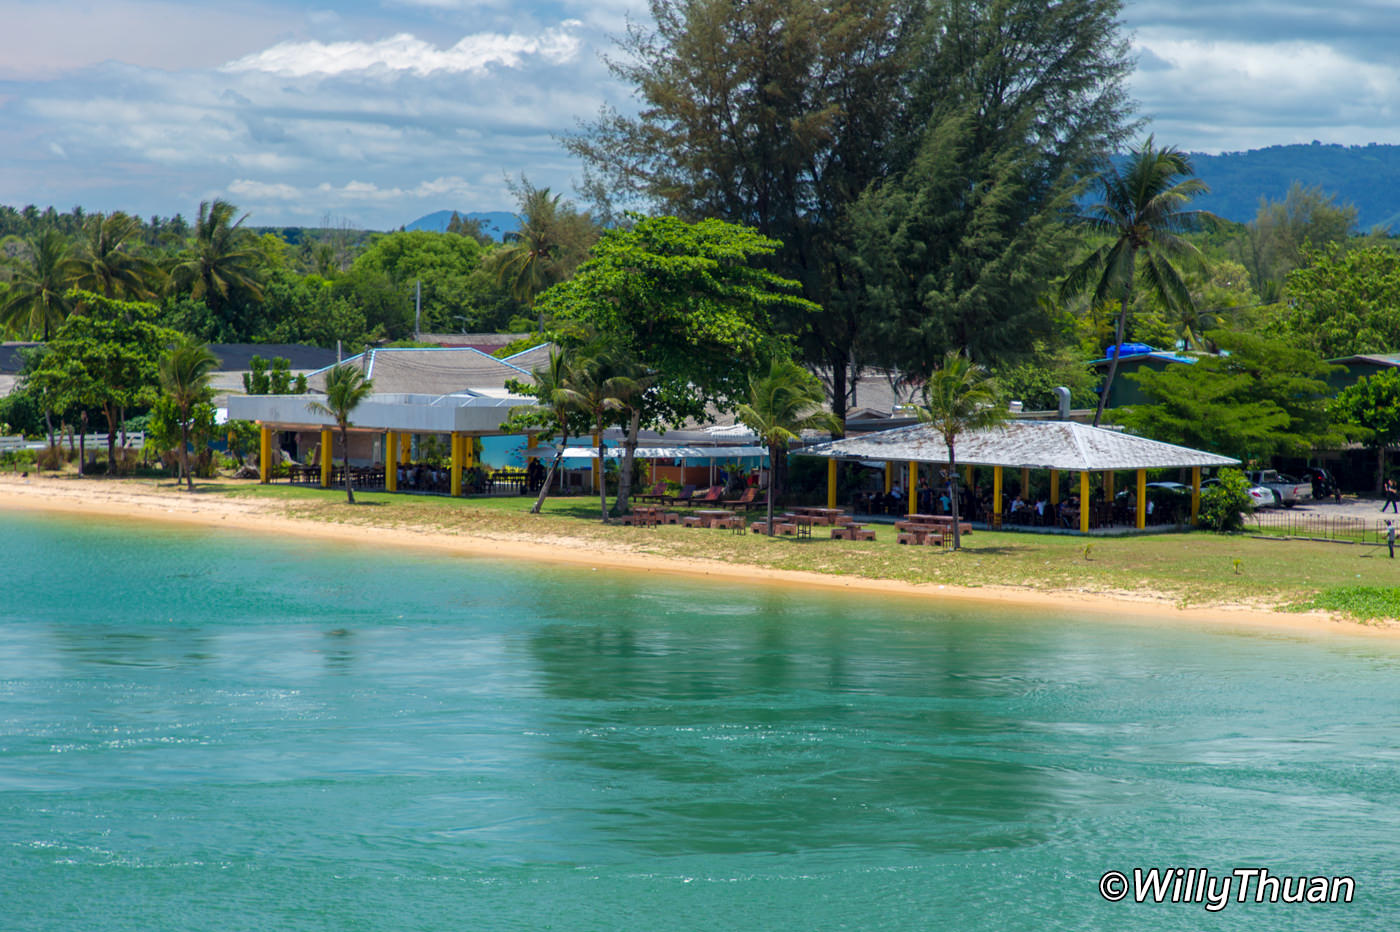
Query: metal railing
x=1317, y=527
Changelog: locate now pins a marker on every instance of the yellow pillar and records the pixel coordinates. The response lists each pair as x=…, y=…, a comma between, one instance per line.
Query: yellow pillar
x=405, y=447
x=831, y=483
x=265, y=454
x=911, y=492
x=456, y=487
x=532, y=444
x=889, y=476
x=1195, y=494
x=1141, y=499
x=327, y=456
x=1054, y=486
x=1108, y=486
x=1084, y=502
x=469, y=451
x=391, y=461
x=996, y=496
x=597, y=466
x=1026, y=485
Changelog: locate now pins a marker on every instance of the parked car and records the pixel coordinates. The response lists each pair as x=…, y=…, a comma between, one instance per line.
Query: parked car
x=1259, y=497
x=1170, y=501
x=1286, y=489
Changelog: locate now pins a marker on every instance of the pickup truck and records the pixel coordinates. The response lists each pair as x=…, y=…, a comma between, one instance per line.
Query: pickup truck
x=1289, y=492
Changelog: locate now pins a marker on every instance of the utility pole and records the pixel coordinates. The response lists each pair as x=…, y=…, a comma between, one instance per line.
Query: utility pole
x=417, y=308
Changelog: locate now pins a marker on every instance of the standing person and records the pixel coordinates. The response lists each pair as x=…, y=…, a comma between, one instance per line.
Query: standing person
x=1390, y=538
x=1390, y=496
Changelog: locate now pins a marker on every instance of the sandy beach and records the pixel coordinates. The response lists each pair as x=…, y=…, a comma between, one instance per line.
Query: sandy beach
x=147, y=500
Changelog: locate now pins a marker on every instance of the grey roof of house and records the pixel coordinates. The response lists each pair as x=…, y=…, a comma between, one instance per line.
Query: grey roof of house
x=235, y=357
x=1021, y=445
x=1380, y=359
x=430, y=371
x=536, y=357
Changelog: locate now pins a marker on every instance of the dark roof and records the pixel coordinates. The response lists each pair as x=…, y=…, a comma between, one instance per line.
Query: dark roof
x=1379, y=359
x=235, y=357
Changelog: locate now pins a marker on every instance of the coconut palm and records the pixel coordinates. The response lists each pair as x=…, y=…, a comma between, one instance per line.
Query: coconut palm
x=552, y=389
x=184, y=375
x=551, y=241
x=599, y=387
x=220, y=264
x=104, y=262
x=1142, y=211
x=782, y=403
x=35, y=304
x=346, y=387
x=959, y=397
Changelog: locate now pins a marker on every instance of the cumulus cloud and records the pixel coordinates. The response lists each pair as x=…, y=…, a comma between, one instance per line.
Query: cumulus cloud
x=407, y=53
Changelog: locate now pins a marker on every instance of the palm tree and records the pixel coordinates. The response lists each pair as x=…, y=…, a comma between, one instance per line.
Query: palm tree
x=35, y=304
x=1142, y=211
x=782, y=403
x=552, y=240
x=598, y=387
x=219, y=265
x=959, y=397
x=184, y=375
x=104, y=264
x=346, y=387
x=552, y=389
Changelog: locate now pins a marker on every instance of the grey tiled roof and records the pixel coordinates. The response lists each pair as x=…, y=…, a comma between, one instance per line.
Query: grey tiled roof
x=1022, y=444
x=430, y=371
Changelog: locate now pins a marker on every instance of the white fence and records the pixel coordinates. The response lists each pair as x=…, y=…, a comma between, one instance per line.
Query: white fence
x=134, y=440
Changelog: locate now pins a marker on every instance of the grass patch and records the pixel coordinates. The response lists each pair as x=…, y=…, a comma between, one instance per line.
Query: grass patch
x=1367, y=603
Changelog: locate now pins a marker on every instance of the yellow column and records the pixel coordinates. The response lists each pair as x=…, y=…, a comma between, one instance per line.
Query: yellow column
x=911, y=491
x=1054, y=486
x=1084, y=502
x=1195, y=494
x=455, y=488
x=971, y=473
x=1108, y=486
x=265, y=454
x=831, y=483
x=996, y=496
x=1026, y=485
x=391, y=461
x=1141, y=499
x=889, y=476
x=597, y=467
x=327, y=456
x=405, y=447
x=532, y=444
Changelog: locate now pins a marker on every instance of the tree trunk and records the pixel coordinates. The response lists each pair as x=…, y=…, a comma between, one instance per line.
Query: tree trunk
x=345, y=463
x=953, y=490
x=549, y=477
x=629, y=455
x=1118, y=340
x=772, y=486
x=838, y=391
x=602, y=474
x=111, y=413
x=82, y=444
x=48, y=424
x=185, y=451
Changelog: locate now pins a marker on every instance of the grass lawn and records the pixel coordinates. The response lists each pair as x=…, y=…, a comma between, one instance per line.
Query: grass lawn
x=1190, y=568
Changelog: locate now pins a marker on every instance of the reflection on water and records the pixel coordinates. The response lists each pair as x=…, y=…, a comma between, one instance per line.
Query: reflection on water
x=212, y=728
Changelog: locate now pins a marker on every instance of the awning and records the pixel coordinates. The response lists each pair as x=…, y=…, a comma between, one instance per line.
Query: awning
x=668, y=453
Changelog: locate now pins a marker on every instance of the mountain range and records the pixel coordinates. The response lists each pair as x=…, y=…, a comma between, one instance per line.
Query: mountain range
x=1367, y=177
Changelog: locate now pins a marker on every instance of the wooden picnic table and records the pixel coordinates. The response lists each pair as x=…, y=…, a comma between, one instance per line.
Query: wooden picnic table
x=820, y=514
x=708, y=516
x=935, y=521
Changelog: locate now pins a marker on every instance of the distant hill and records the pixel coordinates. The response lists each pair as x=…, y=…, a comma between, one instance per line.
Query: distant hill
x=1367, y=177
x=494, y=222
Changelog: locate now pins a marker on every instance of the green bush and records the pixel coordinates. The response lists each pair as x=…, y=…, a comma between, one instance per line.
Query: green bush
x=1223, y=504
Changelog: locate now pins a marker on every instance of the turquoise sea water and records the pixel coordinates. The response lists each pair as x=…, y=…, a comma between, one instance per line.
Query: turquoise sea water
x=200, y=730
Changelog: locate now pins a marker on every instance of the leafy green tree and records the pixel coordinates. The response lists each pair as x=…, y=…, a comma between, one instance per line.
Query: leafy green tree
x=184, y=377
x=959, y=397
x=106, y=355
x=107, y=260
x=1344, y=302
x=1283, y=232
x=780, y=114
x=599, y=386
x=221, y=266
x=346, y=388
x=553, y=387
x=1223, y=505
x=35, y=303
x=1266, y=397
x=1142, y=212
x=783, y=402
x=382, y=279
x=275, y=378
x=1372, y=406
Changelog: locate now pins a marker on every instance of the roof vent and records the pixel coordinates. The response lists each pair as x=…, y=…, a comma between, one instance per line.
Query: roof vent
x=1063, y=394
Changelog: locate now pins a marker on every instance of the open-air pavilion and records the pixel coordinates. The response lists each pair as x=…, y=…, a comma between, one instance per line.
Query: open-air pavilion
x=383, y=426
x=1025, y=446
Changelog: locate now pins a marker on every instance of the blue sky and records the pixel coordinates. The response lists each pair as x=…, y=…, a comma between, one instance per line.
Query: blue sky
x=378, y=111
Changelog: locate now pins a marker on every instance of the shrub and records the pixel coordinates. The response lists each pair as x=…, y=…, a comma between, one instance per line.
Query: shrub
x=1223, y=505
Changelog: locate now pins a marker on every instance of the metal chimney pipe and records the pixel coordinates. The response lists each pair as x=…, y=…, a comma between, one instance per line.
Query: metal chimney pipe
x=1063, y=393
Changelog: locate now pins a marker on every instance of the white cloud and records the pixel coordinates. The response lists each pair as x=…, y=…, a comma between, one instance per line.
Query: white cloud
x=407, y=53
